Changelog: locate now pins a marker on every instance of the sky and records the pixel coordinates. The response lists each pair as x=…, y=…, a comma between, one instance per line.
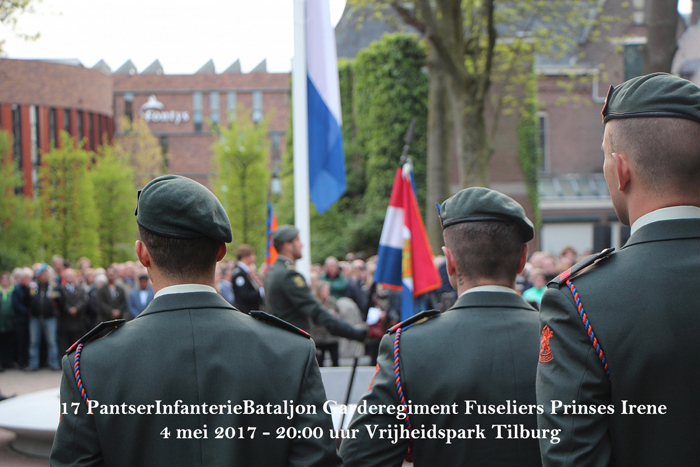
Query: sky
x=183, y=35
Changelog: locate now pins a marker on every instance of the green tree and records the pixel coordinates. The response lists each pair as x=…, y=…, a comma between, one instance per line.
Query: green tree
x=9, y=11
x=19, y=230
x=67, y=203
x=242, y=179
x=529, y=155
x=115, y=200
x=137, y=144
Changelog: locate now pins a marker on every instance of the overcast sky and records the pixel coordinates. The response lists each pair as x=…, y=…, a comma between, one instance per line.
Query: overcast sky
x=183, y=35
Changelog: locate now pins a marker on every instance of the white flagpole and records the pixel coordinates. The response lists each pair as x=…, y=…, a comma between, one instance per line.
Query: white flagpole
x=301, y=138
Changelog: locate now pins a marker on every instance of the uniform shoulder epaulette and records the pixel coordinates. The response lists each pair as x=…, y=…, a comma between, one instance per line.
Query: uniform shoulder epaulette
x=275, y=321
x=98, y=331
x=419, y=318
x=579, y=267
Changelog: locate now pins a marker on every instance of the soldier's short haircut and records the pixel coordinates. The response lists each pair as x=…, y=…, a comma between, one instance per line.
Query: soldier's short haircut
x=181, y=258
x=485, y=250
x=665, y=152
x=278, y=245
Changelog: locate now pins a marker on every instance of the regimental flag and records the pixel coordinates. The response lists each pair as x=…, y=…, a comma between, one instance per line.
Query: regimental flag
x=405, y=257
x=326, y=156
x=271, y=252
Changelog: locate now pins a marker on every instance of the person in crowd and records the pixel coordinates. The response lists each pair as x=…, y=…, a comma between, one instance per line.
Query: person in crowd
x=533, y=295
x=140, y=297
x=325, y=342
x=7, y=322
x=225, y=287
x=357, y=288
x=191, y=347
x=111, y=299
x=287, y=295
x=484, y=350
x=43, y=312
x=247, y=289
x=72, y=319
x=94, y=307
x=21, y=302
x=333, y=276
x=58, y=263
x=622, y=327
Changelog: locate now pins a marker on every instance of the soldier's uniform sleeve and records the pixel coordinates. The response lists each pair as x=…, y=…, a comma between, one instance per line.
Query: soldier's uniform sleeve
x=313, y=451
x=299, y=293
x=574, y=373
x=75, y=443
x=365, y=450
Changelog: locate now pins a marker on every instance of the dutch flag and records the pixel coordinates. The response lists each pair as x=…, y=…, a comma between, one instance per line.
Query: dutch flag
x=405, y=258
x=326, y=156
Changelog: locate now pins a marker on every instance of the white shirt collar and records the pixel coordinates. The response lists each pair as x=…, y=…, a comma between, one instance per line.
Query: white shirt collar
x=666, y=214
x=490, y=288
x=184, y=288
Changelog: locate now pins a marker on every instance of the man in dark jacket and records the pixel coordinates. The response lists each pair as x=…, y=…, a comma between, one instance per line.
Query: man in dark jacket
x=72, y=320
x=43, y=311
x=21, y=301
x=111, y=299
x=246, y=289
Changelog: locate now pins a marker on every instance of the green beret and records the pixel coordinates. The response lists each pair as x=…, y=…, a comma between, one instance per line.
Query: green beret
x=178, y=207
x=481, y=204
x=654, y=95
x=285, y=233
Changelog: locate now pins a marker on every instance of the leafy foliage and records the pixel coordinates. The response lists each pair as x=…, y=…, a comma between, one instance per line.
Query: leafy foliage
x=529, y=155
x=19, y=230
x=115, y=200
x=143, y=151
x=242, y=179
x=69, y=217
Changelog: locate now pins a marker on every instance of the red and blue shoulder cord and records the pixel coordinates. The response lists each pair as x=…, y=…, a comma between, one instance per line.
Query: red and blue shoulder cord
x=76, y=372
x=399, y=389
x=587, y=325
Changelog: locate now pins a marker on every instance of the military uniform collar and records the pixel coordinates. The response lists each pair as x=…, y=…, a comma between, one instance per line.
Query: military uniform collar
x=490, y=288
x=666, y=214
x=185, y=301
x=668, y=230
x=285, y=260
x=492, y=299
x=184, y=288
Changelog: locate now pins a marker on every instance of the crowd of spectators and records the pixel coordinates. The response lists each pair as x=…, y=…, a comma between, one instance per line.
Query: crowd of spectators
x=45, y=308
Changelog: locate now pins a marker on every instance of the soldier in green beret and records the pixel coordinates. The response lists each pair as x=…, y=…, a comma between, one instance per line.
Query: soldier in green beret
x=191, y=381
x=287, y=295
x=475, y=363
x=620, y=377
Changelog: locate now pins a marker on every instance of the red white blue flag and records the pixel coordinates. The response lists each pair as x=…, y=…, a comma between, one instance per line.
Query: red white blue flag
x=405, y=258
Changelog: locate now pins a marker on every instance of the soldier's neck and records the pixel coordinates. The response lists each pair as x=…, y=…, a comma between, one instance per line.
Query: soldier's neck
x=464, y=284
x=161, y=281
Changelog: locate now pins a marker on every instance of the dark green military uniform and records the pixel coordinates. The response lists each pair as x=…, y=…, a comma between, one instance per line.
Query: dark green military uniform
x=483, y=349
x=622, y=328
x=192, y=381
x=288, y=297
x=642, y=306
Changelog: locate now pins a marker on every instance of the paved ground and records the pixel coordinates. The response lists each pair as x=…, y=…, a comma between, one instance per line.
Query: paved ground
x=16, y=382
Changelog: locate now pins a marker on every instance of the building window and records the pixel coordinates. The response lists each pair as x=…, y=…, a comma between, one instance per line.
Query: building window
x=129, y=105
x=257, y=106
x=197, y=106
x=80, y=126
x=66, y=121
x=34, y=133
x=543, y=140
x=275, y=149
x=164, y=148
x=52, y=128
x=231, y=102
x=214, y=99
x=633, y=61
x=16, y=136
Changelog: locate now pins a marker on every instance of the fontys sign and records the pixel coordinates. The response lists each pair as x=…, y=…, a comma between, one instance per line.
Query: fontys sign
x=152, y=111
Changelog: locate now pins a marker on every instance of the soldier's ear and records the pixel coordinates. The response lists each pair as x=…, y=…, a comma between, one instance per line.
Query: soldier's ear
x=143, y=254
x=450, y=261
x=623, y=168
x=222, y=252
x=523, y=258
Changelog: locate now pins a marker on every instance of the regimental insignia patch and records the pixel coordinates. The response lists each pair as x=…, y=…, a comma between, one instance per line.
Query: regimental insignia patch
x=299, y=281
x=545, y=352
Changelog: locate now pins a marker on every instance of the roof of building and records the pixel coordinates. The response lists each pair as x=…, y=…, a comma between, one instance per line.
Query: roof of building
x=154, y=68
x=207, y=68
x=128, y=68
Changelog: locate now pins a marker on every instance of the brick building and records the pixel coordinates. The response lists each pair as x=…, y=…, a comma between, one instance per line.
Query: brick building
x=181, y=109
x=38, y=99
